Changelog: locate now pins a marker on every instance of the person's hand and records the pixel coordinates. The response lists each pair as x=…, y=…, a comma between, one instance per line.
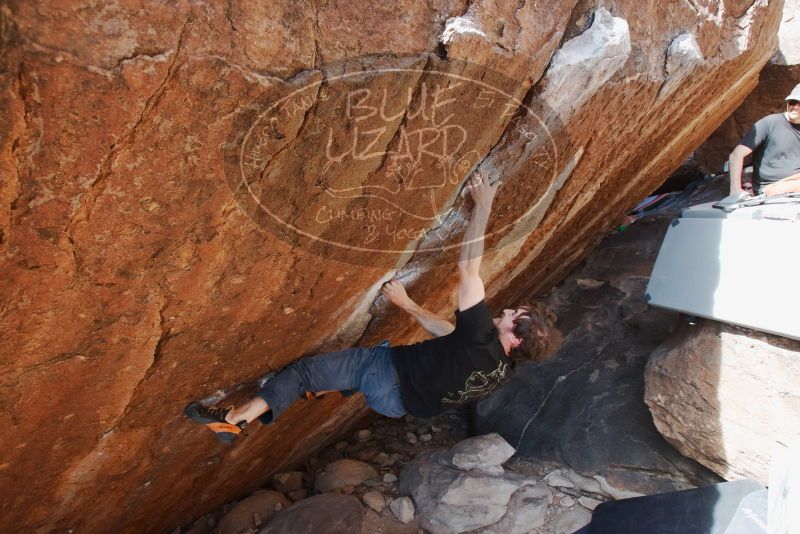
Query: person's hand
x=481, y=191
x=395, y=292
x=741, y=193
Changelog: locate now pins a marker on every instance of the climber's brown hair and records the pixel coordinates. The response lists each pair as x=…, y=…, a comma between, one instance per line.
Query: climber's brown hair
x=540, y=338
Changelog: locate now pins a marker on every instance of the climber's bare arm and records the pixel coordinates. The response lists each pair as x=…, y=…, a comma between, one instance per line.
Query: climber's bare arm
x=735, y=166
x=436, y=325
x=470, y=285
x=790, y=184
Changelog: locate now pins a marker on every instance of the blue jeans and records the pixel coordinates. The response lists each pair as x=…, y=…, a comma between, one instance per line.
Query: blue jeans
x=370, y=371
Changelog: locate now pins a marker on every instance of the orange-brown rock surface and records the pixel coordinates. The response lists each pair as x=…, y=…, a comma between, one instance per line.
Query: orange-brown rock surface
x=194, y=193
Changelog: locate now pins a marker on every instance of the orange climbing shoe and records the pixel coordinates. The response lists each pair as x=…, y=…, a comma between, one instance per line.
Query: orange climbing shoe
x=214, y=419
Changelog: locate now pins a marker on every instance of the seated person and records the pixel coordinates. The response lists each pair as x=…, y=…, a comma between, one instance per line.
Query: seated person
x=774, y=142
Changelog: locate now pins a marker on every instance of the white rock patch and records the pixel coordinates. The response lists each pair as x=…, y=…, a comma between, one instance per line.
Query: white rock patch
x=586, y=62
x=683, y=55
x=460, y=26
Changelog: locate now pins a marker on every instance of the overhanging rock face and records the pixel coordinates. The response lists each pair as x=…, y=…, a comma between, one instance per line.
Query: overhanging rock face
x=193, y=194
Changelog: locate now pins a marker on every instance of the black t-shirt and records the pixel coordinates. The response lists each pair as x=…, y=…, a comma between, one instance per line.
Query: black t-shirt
x=775, y=143
x=463, y=365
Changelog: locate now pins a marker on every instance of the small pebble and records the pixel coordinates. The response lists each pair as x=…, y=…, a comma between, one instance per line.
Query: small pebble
x=403, y=509
x=348, y=490
x=367, y=455
x=411, y=438
x=257, y=521
x=425, y=437
x=567, y=501
x=363, y=435
x=375, y=500
x=389, y=477
x=557, y=480
x=436, y=429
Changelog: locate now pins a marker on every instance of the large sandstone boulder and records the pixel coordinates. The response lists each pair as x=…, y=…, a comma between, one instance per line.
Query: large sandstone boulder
x=726, y=397
x=194, y=193
x=583, y=409
x=775, y=81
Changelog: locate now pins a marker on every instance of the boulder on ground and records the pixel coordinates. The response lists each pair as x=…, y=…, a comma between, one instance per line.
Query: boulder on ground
x=449, y=499
x=526, y=510
x=726, y=396
x=482, y=453
x=343, y=473
x=287, y=482
x=246, y=514
x=298, y=495
x=403, y=509
x=572, y=520
x=375, y=500
x=328, y=513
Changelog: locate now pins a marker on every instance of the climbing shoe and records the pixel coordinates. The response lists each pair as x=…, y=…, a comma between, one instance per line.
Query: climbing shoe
x=214, y=419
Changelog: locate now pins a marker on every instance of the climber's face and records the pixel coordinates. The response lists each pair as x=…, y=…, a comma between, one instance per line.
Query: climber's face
x=505, y=321
x=793, y=111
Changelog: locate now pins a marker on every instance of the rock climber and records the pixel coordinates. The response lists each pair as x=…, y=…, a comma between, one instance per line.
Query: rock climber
x=775, y=143
x=461, y=362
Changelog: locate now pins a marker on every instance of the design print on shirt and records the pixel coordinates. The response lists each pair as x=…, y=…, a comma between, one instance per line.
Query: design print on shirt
x=478, y=384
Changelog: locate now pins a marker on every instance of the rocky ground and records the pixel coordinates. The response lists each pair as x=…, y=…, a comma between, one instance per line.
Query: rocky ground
x=381, y=451
x=355, y=486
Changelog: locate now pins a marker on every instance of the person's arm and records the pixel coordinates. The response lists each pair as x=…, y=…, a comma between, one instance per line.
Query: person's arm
x=735, y=165
x=436, y=325
x=470, y=285
x=790, y=184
